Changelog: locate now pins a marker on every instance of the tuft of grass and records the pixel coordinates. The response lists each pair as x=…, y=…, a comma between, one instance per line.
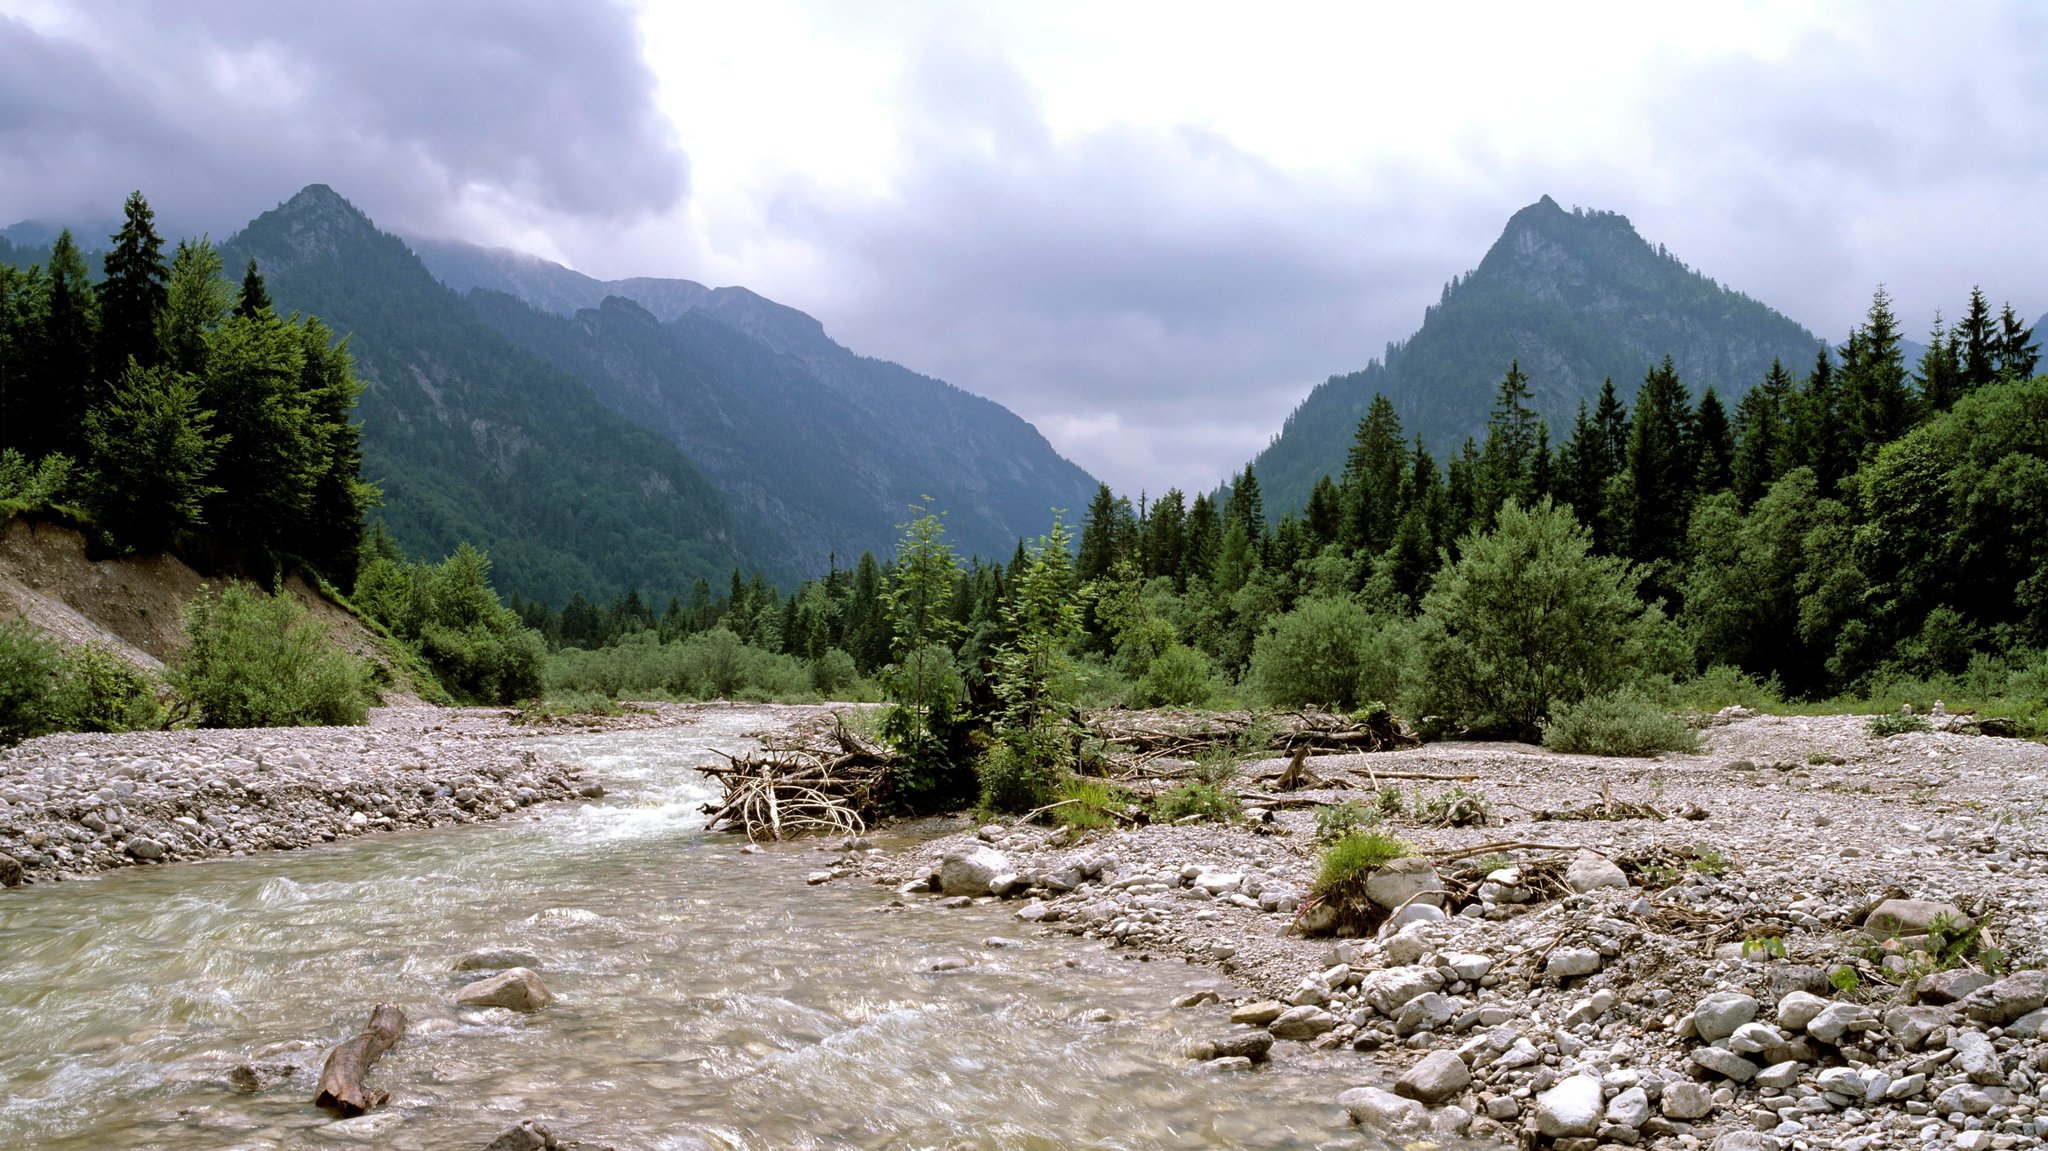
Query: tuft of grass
x=1622, y=723
x=1091, y=803
x=1194, y=798
x=567, y=705
x=1896, y=723
x=1348, y=861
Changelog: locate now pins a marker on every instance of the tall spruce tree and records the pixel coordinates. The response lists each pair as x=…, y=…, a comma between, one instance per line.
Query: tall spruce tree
x=134, y=293
x=1940, y=373
x=1246, y=507
x=1979, y=336
x=1660, y=476
x=1817, y=427
x=1505, y=464
x=64, y=389
x=1371, y=489
x=1762, y=436
x=2017, y=353
x=1874, y=381
x=1713, y=445
x=1166, y=538
x=254, y=300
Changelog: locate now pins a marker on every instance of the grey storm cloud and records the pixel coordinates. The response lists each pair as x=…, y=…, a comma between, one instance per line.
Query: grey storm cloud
x=217, y=110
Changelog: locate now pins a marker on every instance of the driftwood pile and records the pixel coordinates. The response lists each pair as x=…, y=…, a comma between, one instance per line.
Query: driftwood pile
x=1157, y=745
x=830, y=782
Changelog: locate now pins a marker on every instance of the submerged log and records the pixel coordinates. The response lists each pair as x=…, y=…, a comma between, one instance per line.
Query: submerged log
x=341, y=1080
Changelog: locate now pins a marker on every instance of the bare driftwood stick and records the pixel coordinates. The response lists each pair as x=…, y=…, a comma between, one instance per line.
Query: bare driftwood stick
x=341, y=1080
x=1511, y=845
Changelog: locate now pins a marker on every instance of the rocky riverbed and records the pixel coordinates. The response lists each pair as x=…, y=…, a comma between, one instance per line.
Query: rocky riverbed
x=1729, y=949
x=72, y=805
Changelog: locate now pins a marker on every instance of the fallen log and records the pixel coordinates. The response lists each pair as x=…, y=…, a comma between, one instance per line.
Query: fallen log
x=341, y=1080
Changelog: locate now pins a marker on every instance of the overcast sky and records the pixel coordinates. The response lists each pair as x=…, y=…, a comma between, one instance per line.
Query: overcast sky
x=1148, y=228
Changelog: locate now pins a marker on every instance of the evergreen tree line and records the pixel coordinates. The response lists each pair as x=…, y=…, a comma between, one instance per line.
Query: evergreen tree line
x=170, y=407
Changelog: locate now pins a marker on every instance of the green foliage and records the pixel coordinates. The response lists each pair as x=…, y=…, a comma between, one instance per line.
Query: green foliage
x=99, y=691
x=1044, y=618
x=33, y=486
x=1897, y=723
x=922, y=684
x=449, y=612
x=1334, y=821
x=1180, y=677
x=1197, y=802
x=1316, y=654
x=1708, y=860
x=1453, y=807
x=1624, y=722
x=833, y=674
x=151, y=457
x=1527, y=619
x=1019, y=774
x=1344, y=867
x=567, y=705
x=1844, y=980
x=255, y=660
x=29, y=667
x=716, y=664
x=1091, y=803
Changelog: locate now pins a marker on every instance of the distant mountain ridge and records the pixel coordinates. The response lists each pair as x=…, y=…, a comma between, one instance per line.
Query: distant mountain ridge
x=1576, y=297
x=819, y=450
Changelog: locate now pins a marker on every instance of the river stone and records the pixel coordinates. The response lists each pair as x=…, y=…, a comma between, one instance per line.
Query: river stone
x=1387, y=989
x=519, y=989
x=1718, y=1015
x=1304, y=1022
x=2032, y=1025
x=1779, y=1076
x=1384, y=1111
x=1438, y=1078
x=1750, y=1038
x=1631, y=1108
x=528, y=1136
x=1725, y=1063
x=969, y=872
x=496, y=959
x=145, y=849
x=1797, y=1009
x=1976, y=1057
x=1572, y=1108
x=362, y=1128
x=1840, y=1019
x=1429, y=1011
x=10, y=870
x=1745, y=1141
x=1590, y=872
x=2009, y=998
x=1571, y=962
x=1402, y=880
x=1949, y=986
x=1250, y=1043
x=1469, y=966
x=1911, y=917
x=1258, y=1014
x=1686, y=1100
x=1913, y=1026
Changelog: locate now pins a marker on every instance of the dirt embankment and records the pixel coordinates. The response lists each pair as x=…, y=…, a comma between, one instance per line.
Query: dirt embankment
x=135, y=604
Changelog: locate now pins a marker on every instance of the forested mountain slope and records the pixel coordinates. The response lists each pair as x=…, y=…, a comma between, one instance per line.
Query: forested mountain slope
x=473, y=439
x=828, y=447
x=1575, y=296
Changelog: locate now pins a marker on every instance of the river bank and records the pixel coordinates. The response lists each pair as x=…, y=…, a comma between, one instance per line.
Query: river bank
x=1675, y=952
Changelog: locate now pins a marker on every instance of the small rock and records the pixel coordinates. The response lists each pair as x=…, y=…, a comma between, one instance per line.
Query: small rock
x=1912, y=1026
x=2032, y=1025
x=1631, y=1108
x=1191, y=999
x=1250, y=1043
x=1429, y=1011
x=949, y=963
x=1387, y=989
x=1751, y=1038
x=1797, y=1009
x=1590, y=872
x=528, y=1136
x=1571, y=962
x=1840, y=1019
x=1685, y=1100
x=1438, y=1078
x=11, y=870
x=1469, y=967
x=1305, y=1022
x=1258, y=1014
x=1572, y=1108
x=1725, y=1063
x=1976, y=1058
x=1745, y=1141
x=817, y=877
x=145, y=849
x=1779, y=1076
x=519, y=989
x=1911, y=917
x=1387, y=1113
x=1227, y=1063
x=1718, y=1015
x=496, y=959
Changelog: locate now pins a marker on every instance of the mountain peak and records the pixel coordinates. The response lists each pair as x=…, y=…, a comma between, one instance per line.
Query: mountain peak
x=315, y=223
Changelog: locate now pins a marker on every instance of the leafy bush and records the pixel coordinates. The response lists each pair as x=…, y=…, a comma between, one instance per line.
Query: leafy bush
x=1315, y=654
x=99, y=691
x=1725, y=685
x=1453, y=807
x=1334, y=821
x=1624, y=722
x=28, y=679
x=451, y=614
x=254, y=660
x=1180, y=676
x=43, y=484
x=1489, y=662
x=1018, y=774
x=1203, y=801
x=567, y=704
x=1896, y=723
x=833, y=672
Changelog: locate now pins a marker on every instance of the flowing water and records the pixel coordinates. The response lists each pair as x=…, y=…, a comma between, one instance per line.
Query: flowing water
x=705, y=999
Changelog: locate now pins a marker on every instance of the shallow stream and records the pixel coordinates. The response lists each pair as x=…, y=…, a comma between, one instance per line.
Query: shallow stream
x=705, y=998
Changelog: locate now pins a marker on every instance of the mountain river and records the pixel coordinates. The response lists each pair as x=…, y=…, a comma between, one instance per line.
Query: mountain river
x=705, y=998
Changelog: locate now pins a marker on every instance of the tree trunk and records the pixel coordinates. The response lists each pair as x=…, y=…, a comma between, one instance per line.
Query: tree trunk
x=341, y=1080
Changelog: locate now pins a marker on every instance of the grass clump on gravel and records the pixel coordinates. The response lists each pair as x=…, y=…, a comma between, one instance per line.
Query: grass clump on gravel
x=1626, y=722
x=1347, y=862
x=1197, y=802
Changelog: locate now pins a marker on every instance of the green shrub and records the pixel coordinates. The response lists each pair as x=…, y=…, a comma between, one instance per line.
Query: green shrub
x=1091, y=803
x=1334, y=821
x=567, y=704
x=99, y=691
x=1018, y=774
x=1896, y=723
x=1453, y=807
x=1724, y=685
x=43, y=484
x=833, y=673
x=450, y=613
x=28, y=680
x=1180, y=676
x=1314, y=654
x=1205, y=802
x=254, y=660
x=1624, y=722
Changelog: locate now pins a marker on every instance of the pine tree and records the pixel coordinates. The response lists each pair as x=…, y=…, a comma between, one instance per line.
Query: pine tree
x=1762, y=436
x=1165, y=538
x=2017, y=354
x=1713, y=445
x=1204, y=538
x=134, y=294
x=150, y=457
x=333, y=525
x=253, y=382
x=1611, y=418
x=1583, y=469
x=1098, y=536
x=1246, y=507
x=1874, y=381
x=24, y=311
x=64, y=390
x=1659, y=474
x=1323, y=519
x=1979, y=343
x=1504, y=465
x=254, y=301
x=1372, y=478
x=1817, y=426
x=1940, y=373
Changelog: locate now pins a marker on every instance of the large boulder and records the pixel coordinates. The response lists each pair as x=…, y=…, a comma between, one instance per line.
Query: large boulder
x=519, y=989
x=1572, y=1109
x=1911, y=917
x=2007, y=999
x=1402, y=880
x=10, y=870
x=1438, y=1078
x=1718, y=1015
x=1590, y=872
x=1388, y=988
x=1304, y=1022
x=1386, y=1113
x=528, y=1136
x=969, y=872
